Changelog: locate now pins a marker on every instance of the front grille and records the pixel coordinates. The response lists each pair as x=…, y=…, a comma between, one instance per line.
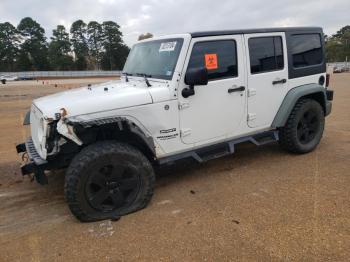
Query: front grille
x=35, y=116
x=33, y=153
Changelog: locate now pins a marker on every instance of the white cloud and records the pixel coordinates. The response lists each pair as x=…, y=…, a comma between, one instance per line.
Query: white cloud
x=145, y=8
x=175, y=16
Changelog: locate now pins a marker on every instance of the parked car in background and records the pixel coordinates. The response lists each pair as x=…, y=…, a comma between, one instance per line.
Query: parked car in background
x=337, y=69
x=5, y=78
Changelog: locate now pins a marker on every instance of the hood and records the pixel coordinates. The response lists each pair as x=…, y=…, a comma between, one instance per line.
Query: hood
x=96, y=98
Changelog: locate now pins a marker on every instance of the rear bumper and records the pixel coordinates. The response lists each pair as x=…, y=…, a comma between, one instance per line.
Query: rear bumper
x=35, y=165
x=328, y=108
x=329, y=94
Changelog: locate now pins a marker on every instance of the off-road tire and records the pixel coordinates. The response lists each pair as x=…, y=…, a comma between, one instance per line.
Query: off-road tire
x=91, y=158
x=288, y=135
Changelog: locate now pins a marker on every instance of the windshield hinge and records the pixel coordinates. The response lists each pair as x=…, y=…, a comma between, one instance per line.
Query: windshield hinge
x=147, y=82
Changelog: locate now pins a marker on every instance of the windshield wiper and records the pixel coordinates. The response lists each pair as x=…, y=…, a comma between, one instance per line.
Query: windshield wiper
x=145, y=77
x=126, y=76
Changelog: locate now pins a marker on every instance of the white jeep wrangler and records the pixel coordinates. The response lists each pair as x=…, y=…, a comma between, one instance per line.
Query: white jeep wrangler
x=192, y=95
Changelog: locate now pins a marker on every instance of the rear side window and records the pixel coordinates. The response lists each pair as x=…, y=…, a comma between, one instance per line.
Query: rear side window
x=219, y=57
x=266, y=54
x=306, y=50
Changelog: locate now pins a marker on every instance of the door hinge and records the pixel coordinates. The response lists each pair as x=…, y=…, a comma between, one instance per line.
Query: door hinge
x=251, y=116
x=185, y=132
x=251, y=92
x=183, y=105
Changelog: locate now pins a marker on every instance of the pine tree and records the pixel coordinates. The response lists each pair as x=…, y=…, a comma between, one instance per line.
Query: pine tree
x=80, y=44
x=59, y=49
x=115, y=51
x=9, y=46
x=95, y=36
x=34, y=47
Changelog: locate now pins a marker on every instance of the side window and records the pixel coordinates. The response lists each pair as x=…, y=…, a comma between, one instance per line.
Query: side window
x=219, y=57
x=266, y=54
x=306, y=50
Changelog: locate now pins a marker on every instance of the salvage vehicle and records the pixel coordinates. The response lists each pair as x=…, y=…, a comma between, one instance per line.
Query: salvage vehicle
x=185, y=96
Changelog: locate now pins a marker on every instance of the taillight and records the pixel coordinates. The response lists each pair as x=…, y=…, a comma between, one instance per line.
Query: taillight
x=327, y=79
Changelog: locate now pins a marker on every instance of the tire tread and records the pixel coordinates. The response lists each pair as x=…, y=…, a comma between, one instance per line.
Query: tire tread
x=74, y=174
x=287, y=135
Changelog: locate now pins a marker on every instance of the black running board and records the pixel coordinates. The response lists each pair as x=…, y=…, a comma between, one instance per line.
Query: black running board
x=222, y=149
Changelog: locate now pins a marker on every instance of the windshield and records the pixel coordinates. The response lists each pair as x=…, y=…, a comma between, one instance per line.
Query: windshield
x=154, y=59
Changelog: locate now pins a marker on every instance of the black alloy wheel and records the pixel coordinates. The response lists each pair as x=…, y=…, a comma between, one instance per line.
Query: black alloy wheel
x=112, y=186
x=304, y=127
x=308, y=127
x=107, y=180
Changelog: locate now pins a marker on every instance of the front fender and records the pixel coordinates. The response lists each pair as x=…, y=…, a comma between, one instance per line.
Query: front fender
x=122, y=124
x=68, y=132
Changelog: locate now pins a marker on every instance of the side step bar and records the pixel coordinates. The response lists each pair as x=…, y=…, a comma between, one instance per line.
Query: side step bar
x=222, y=149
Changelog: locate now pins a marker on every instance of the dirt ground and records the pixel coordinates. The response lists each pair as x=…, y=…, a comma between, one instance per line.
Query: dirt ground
x=260, y=204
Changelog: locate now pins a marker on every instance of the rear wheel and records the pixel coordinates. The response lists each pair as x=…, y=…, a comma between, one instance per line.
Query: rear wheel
x=304, y=128
x=107, y=180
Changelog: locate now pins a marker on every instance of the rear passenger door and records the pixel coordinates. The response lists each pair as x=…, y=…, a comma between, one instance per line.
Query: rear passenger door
x=267, y=76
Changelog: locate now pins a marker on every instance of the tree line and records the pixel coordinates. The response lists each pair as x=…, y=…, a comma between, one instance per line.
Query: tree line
x=338, y=45
x=93, y=46
x=87, y=46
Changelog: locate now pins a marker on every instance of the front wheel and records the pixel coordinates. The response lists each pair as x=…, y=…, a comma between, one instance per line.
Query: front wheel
x=304, y=128
x=107, y=180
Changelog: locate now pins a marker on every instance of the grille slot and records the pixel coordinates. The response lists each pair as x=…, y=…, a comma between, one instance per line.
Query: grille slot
x=33, y=154
x=35, y=116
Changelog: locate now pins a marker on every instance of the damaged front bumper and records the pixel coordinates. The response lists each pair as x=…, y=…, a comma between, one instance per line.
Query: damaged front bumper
x=35, y=165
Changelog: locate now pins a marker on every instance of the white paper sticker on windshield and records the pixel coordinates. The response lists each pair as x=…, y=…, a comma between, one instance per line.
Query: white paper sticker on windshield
x=168, y=46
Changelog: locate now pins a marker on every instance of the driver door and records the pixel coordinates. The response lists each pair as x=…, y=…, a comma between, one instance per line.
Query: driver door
x=215, y=110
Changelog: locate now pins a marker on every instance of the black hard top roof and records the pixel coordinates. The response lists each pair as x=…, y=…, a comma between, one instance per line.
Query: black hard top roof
x=257, y=30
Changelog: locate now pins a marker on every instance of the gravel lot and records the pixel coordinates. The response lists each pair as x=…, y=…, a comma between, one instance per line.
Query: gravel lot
x=260, y=204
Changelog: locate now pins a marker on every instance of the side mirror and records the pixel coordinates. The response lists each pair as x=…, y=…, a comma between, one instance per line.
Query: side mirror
x=194, y=77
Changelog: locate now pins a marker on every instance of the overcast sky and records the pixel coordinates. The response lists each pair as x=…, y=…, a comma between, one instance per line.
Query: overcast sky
x=177, y=16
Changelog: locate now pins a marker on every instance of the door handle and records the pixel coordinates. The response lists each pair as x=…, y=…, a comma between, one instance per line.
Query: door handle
x=237, y=89
x=282, y=81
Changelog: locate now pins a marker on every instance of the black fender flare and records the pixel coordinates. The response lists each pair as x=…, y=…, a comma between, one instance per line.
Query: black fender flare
x=123, y=124
x=26, y=120
x=293, y=96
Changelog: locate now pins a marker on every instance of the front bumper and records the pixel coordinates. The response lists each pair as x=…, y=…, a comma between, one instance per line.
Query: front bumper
x=35, y=165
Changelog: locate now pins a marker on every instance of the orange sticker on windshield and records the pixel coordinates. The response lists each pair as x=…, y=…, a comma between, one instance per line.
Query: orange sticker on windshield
x=211, y=61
